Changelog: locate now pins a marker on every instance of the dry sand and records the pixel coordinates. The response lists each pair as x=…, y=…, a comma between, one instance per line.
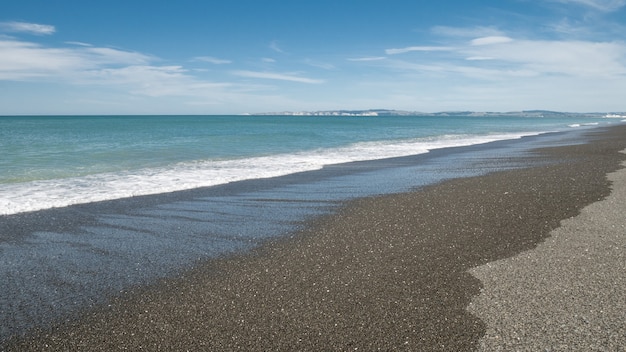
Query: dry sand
x=385, y=273
x=568, y=294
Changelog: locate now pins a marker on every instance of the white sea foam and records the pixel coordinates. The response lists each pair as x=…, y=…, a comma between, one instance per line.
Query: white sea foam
x=575, y=125
x=31, y=196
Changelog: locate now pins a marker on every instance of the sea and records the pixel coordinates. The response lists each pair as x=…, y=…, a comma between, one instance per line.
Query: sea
x=56, y=161
x=94, y=206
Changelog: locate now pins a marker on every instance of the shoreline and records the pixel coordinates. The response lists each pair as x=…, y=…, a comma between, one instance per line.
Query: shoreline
x=478, y=142
x=387, y=272
x=59, y=262
x=26, y=190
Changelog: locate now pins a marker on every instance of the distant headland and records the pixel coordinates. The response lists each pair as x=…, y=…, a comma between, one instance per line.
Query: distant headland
x=387, y=112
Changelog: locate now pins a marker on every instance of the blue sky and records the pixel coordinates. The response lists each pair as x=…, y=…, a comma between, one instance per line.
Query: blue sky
x=246, y=56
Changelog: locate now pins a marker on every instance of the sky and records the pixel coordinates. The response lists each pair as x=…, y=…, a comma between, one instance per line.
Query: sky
x=81, y=57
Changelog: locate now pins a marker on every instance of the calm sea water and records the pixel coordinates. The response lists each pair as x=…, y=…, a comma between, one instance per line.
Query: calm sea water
x=54, y=161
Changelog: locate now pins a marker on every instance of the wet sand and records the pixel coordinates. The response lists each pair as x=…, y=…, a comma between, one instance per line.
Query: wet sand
x=384, y=273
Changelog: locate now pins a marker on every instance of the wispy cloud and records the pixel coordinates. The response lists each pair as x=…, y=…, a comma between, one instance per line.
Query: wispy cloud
x=277, y=76
x=574, y=58
x=155, y=81
x=478, y=58
x=568, y=28
x=490, y=40
x=319, y=64
x=110, y=56
x=23, y=60
x=25, y=27
x=602, y=5
x=78, y=43
x=20, y=60
x=212, y=60
x=371, y=58
x=444, y=70
x=471, y=32
x=127, y=72
x=498, y=57
x=274, y=46
x=417, y=48
x=492, y=54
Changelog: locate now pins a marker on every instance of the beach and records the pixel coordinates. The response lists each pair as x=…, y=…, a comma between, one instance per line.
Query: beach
x=394, y=272
x=573, y=286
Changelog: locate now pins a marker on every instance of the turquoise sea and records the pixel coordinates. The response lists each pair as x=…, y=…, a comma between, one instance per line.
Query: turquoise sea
x=55, y=161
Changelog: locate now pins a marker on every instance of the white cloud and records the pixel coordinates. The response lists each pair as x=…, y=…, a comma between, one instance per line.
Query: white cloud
x=417, y=48
x=274, y=46
x=373, y=58
x=144, y=74
x=500, y=55
x=602, y=5
x=25, y=27
x=159, y=81
x=125, y=74
x=78, y=43
x=479, y=31
x=441, y=71
x=318, y=64
x=212, y=60
x=268, y=60
x=114, y=56
x=491, y=40
x=515, y=60
x=478, y=58
x=277, y=76
x=20, y=60
x=569, y=28
x=575, y=58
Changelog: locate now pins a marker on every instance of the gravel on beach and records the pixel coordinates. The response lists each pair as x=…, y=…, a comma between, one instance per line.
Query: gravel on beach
x=567, y=294
x=397, y=272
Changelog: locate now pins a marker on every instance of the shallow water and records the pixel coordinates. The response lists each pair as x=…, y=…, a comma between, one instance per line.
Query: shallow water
x=55, y=161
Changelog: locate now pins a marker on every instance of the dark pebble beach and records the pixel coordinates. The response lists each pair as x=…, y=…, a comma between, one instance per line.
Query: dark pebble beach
x=382, y=273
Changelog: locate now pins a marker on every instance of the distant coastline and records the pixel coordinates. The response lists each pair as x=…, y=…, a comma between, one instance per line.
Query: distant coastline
x=387, y=112
x=376, y=112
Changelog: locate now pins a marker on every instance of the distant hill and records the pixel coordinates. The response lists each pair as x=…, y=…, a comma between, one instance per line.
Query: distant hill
x=388, y=112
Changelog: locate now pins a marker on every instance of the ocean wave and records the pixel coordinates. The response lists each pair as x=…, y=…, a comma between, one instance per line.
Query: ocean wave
x=576, y=125
x=38, y=195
